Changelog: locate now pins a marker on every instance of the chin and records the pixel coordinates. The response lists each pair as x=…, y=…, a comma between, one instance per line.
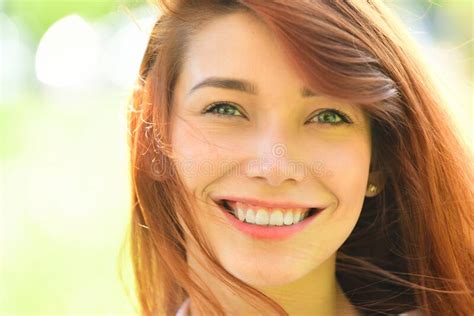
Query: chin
x=267, y=278
x=266, y=273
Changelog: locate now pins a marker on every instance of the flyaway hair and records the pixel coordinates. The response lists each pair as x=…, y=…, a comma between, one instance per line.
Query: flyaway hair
x=412, y=246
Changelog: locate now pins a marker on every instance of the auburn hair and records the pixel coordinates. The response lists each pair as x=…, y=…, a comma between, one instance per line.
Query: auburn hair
x=412, y=246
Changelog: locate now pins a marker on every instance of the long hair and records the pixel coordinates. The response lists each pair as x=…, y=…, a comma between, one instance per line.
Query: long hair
x=412, y=245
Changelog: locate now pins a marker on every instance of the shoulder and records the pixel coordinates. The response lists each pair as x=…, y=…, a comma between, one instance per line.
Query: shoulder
x=415, y=312
x=183, y=309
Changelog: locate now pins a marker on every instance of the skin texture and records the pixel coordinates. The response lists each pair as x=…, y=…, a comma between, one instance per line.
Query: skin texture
x=219, y=155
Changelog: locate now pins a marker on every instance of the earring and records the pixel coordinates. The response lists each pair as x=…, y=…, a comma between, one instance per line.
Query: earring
x=371, y=188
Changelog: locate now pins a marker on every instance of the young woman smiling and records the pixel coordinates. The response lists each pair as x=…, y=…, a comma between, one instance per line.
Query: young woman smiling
x=293, y=158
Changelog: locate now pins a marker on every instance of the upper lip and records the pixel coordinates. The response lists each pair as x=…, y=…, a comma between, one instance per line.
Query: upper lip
x=266, y=203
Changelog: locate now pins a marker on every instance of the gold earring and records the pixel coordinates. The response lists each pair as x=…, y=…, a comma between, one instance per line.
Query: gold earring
x=372, y=188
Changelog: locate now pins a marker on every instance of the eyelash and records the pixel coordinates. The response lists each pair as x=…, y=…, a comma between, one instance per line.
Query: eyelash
x=216, y=105
x=344, y=117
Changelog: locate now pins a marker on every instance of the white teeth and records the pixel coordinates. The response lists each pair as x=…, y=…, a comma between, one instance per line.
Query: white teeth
x=297, y=217
x=250, y=216
x=240, y=214
x=262, y=217
x=288, y=219
x=278, y=217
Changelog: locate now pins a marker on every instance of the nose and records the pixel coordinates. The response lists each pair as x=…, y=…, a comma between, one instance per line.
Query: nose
x=275, y=165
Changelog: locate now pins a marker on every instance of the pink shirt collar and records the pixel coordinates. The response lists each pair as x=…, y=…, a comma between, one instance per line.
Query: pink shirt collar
x=183, y=309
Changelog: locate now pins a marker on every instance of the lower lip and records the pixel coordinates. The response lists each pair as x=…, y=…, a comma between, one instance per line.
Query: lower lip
x=269, y=232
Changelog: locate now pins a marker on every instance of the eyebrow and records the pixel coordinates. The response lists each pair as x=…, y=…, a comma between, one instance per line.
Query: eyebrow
x=238, y=85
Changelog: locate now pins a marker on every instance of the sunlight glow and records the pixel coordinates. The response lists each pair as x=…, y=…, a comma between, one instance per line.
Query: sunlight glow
x=67, y=54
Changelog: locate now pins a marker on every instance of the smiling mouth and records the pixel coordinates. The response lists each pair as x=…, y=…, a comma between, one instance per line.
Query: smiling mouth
x=226, y=206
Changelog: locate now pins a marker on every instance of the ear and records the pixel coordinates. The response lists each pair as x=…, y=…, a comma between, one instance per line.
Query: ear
x=375, y=183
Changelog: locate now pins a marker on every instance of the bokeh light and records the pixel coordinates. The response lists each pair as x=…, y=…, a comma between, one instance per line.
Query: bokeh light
x=68, y=53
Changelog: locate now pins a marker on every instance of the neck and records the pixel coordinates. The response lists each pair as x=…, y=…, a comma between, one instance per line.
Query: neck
x=317, y=293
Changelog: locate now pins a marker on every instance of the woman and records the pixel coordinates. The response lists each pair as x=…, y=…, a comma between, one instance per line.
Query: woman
x=293, y=158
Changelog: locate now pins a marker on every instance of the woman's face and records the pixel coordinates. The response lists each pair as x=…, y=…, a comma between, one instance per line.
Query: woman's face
x=275, y=142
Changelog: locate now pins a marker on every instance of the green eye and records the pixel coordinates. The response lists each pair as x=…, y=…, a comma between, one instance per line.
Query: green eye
x=331, y=117
x=223, y=109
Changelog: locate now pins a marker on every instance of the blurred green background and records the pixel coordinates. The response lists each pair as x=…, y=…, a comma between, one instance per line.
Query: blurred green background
x=67, y=69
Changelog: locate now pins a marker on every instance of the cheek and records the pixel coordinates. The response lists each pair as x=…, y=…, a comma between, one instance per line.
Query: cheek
x=195, y=156
x=184, y=146
x=349, y=166
x=346, y=170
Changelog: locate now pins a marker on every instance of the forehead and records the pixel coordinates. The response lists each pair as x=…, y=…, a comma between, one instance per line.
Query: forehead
x=238, y=45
